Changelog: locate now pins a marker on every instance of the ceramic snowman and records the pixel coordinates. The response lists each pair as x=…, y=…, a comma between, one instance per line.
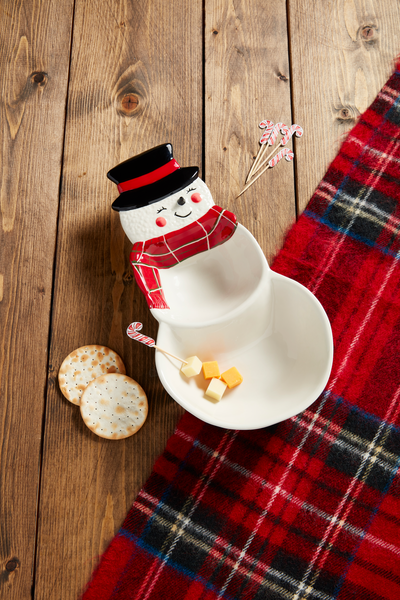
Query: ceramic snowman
x=208, y=283
x=195, y=265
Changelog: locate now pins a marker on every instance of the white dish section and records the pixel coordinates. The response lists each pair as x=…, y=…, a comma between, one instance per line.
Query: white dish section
x=215, y=285
x=285, y=362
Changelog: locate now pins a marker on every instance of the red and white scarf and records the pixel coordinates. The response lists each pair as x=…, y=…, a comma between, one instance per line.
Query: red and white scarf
x=212, y=229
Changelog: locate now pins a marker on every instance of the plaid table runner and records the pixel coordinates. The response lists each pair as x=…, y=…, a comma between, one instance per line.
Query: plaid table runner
x=309, y=508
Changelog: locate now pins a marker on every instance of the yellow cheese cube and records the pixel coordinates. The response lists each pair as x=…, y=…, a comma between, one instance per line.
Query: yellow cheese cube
x=232, y=377
x=211, y=369
x=215, y=389
x=192, y=366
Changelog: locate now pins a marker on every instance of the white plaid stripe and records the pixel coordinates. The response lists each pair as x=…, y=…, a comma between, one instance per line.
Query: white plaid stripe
x=370, y=212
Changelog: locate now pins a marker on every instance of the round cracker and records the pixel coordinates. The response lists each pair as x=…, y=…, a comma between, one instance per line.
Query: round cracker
x=114, y=406
x=85, y=364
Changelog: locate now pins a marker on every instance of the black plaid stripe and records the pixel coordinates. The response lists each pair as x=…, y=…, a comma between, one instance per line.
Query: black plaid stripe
x=361, y=211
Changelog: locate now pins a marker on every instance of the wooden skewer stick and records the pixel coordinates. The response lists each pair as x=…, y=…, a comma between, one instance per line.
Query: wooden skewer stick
x=284, y=152
x=252, y=181
x=169, y=354
x=268, y=126
x=256, y=161
x=261, y=164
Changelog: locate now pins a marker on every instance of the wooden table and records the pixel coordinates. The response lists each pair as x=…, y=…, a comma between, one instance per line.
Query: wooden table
x=86, y=85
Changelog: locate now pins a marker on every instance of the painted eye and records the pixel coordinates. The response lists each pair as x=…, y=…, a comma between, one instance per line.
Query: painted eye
x=190, y=190
x=161, y=209
x=161, y=222
x=196, y=198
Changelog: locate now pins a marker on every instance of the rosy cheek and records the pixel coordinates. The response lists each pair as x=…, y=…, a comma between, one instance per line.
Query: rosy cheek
x=196, y=198
x=161, y=222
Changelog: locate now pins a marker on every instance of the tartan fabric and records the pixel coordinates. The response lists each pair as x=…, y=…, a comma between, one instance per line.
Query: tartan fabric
x=210, y=230
x=308, y=508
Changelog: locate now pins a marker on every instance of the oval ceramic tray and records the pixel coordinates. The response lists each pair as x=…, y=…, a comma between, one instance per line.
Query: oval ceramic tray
x=284, y=370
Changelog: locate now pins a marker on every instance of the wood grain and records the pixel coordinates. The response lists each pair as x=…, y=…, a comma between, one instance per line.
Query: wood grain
x=142, y=73
x=135, y=83
x=34, y=77
x=337, y=75
x=247, y=80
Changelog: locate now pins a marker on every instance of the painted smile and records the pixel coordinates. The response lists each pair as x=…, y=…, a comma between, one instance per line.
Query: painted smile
x=183, y=216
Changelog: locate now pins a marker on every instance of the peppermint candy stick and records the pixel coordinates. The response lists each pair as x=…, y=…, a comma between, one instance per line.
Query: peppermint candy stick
x=268, y=126
x=285, y=152
x=133, y=333
x=293, y=129
x=265, y=124
x=279, y=127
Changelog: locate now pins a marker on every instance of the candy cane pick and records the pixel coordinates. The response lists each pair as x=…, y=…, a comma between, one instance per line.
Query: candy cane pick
x=293, y=129
x=279, y=127
x=269, y=140
x=290, y=131
x=133, y=333
x=268, y=126
x=285, y=152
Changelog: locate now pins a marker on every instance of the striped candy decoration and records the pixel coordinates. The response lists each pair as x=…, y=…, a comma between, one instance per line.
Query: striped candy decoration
x=265, y=123
x=279, y=127
x=268, y=126
x=132, y=332
x=291, y=130
x=285, y=152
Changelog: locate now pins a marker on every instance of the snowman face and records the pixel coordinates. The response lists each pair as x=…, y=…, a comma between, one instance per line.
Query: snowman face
x=166, y=215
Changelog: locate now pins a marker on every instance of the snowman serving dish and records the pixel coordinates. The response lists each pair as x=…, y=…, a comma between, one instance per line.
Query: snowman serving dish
x=208, y=284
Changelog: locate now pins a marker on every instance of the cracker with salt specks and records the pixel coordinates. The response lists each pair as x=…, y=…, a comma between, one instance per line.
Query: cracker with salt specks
x=85, y=364
x=114, y=406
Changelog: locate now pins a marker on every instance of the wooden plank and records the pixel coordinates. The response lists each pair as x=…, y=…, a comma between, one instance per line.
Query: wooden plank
x=34, y=78
x=150, y=51
x=342, y=53
x=247, y=80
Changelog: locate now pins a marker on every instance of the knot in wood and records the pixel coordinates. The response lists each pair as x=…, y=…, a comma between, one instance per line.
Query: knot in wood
x=39, y=78
x=127, y=278
x=281, y=76
x=129, y=103
x=12, y=564
x=347, y=114
x=368, y=33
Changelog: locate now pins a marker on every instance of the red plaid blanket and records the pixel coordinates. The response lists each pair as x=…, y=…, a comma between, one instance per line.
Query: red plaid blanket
x=212, y=229
x=308, y=508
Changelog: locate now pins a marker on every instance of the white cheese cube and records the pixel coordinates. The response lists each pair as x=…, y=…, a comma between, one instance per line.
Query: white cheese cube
x=216, y=389
x=192, y=367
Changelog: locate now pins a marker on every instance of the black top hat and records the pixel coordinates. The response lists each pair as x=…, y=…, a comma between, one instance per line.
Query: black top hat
x=149, y=177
